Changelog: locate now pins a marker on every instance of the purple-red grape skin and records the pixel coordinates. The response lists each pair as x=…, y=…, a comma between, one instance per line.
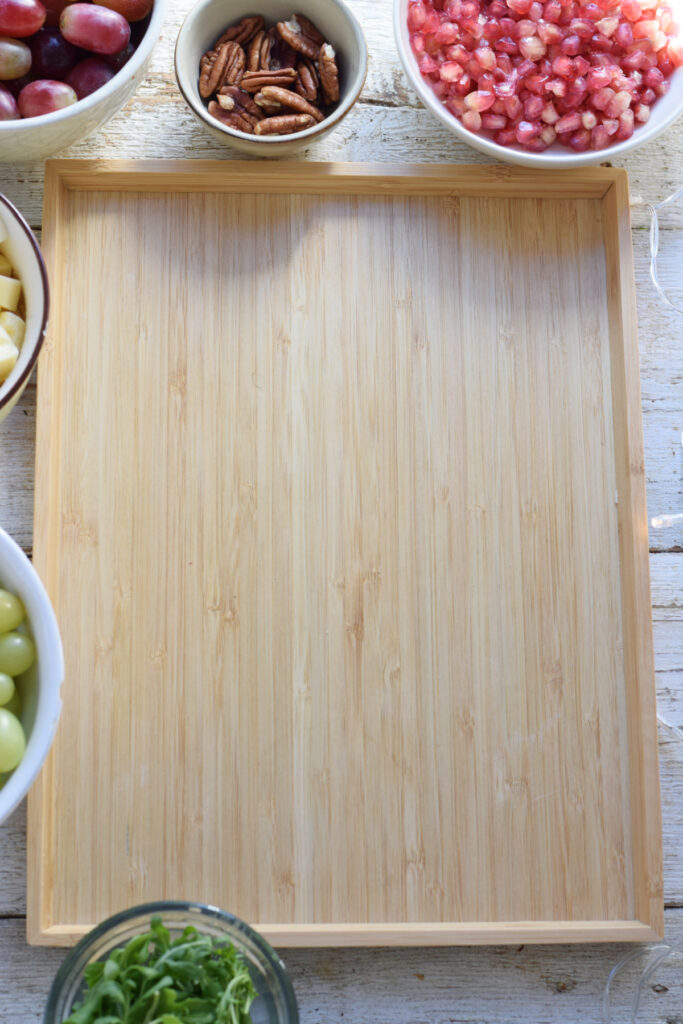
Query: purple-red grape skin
x=15, y=59
x=118, y=60
x=53, y=56
x=21, y=18
x=88, y=76
x=44, y=97
x=9, y=111
x=94, y=28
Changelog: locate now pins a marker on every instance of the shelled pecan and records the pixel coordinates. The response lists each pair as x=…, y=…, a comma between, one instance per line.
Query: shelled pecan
x=270, y=81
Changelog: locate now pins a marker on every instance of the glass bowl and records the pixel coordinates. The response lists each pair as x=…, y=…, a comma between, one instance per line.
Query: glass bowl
x=276, y=1002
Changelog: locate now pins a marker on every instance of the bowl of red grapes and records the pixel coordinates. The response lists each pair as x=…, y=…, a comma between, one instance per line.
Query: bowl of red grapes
x=66, y=67
x=554, y=83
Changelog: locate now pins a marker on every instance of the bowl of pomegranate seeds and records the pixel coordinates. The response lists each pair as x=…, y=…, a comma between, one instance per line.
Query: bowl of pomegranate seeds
x=66, y=68
x=553, y=83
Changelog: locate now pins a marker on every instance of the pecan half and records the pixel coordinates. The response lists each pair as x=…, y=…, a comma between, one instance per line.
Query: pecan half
x=254, y=81
x=269, y=107
x=294, y=36
x=231, y=97
x=212, y=69
x=284, y=124
x=309, y=29
x=329, y=74
x=291, y=101
x=242, y=32
x=231, y=118
x=307, y=80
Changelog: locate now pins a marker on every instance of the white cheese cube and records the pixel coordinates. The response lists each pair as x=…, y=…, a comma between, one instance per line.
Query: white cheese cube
x=14, y=326
x=10, y=291
x=9, y=353
x=5, y=265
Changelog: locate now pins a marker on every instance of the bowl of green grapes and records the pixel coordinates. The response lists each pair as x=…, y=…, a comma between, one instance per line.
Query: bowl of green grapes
x=31, y=673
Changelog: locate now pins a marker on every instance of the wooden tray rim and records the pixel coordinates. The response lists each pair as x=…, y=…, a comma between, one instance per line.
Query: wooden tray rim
x=608, y=184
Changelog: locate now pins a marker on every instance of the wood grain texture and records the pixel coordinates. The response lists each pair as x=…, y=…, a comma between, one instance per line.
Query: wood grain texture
x=408, y=754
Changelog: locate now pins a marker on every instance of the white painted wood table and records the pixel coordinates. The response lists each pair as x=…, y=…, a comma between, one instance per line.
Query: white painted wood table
x=530, y=984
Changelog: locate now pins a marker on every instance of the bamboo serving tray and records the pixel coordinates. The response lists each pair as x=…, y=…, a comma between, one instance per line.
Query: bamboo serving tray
x=340, y=500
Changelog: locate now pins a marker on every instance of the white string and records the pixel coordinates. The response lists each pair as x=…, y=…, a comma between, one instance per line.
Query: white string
x=659, y=954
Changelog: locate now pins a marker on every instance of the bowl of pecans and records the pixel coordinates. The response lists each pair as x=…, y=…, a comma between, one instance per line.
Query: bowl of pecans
x=269, y=80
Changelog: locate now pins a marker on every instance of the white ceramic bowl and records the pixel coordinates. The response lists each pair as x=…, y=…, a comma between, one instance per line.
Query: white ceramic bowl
x=24, y=254
x=34, y=138
x=39, y=686
x=664, y=112
x=209, y=19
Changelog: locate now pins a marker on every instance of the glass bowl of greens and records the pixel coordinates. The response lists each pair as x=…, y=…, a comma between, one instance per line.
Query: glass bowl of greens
x=172, y=963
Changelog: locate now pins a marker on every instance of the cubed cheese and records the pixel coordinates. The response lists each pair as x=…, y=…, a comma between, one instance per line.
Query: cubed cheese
x=14, y=326
x=10, y=291
x=5, y=265
x=9, y=354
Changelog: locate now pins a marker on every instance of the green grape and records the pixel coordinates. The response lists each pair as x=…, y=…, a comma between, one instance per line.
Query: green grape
x=17, y=653
x=7, y=689
x=11, y=611
x=12, y=741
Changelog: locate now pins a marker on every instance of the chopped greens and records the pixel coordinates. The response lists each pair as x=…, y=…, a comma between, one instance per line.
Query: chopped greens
x=194, y=979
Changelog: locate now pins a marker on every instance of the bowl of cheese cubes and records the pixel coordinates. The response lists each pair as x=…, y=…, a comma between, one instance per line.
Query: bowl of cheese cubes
x=24, y=301
x=31, y=674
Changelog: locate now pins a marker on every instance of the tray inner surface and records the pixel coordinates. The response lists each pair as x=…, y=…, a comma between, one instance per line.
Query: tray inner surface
x=335, y=506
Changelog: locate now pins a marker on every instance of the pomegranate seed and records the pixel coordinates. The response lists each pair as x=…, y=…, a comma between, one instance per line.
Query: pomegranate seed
x=519, y=6
x=469, y=10
x=456, y=104
x=549, y=114
x=568, y=123
x=588, y=119
x=610, y=125
x=551, y=35
x=447, y=33
x=417, y=16
x=580, y=141
x=641, y=113
x=526, y=67
x=531, y=47
x=552, y=11
x=581, y=66
x=472, y=120
x=493, y=122
x=479, y=101
x=599, y=137
x=558, y=88
x=675, y=52
x=533, y=107
x=601, y=98
x=607, y=26
x=497, y=9
x=513, y=107
x=464, y=85
x=453, y=9
x=598, y=78
x=570, y=45
x=648, y=96
x=548, y=134
x=506, y=45
x=624, y=35
x=620, y=102
x=449, y=72
x=492, y=31
x=562, y=66
x=631, y=9
x=536, y=84
x=505, y=137
x=536, y=11
x=583, y=28
x=527, y=130
x=431, y=23
x=485, y=57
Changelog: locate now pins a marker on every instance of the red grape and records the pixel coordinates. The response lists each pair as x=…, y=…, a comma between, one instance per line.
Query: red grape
x=132, y=10
x=53, y=57
x=93, y=28
x=89, y=76
x=15, y=59
x=44, y=97
x=20, y=18
x=9, y=111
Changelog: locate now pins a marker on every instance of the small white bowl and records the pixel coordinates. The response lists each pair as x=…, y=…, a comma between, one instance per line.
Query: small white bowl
x=664, y=112
x=209, y=19
x=39, y=686
x=34, y=138
x=24, y=254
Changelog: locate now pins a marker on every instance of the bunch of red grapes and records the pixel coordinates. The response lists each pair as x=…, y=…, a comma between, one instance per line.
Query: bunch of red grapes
x=55, y=52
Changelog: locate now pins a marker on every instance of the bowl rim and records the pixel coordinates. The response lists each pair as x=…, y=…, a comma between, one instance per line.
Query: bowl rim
x=275, y=140
x=49, y=701
x=160, y=907
x=128, y=71
x=556, y=160
x=18, y=384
